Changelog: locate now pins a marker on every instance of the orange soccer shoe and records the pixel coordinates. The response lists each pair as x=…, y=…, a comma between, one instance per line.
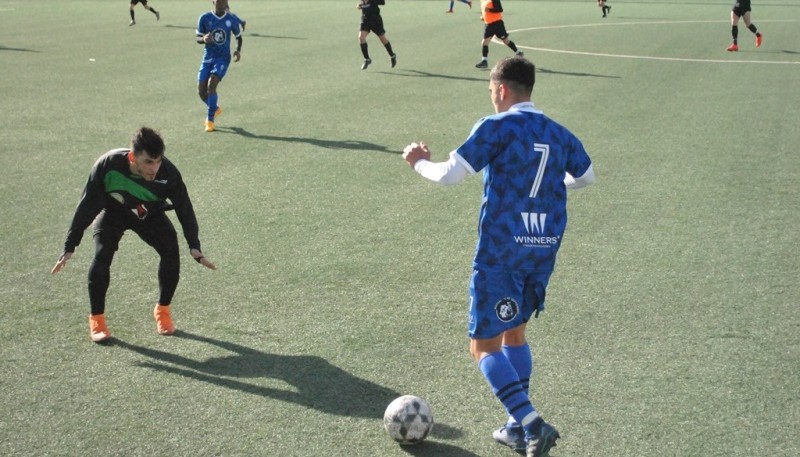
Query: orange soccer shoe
x=98, y=330
x=164, y=323
x=734, y=47
x=759, y=39
x=210, y=126
x=218, y=112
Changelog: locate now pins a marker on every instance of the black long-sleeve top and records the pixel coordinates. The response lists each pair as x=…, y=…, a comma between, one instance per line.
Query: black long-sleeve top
x=112, y=186
x=370, y=8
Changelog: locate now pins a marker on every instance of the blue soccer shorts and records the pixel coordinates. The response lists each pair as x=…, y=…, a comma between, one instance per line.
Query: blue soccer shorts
x=500, y=300
x=212, y=67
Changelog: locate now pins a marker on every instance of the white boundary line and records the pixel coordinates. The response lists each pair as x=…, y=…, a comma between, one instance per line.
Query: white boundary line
x=626, y=56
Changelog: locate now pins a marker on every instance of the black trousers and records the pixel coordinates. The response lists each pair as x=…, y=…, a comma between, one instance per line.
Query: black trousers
x=156, y=230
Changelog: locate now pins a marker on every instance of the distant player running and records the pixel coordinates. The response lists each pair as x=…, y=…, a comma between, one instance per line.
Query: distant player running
x=492, y=15
x=214, y=30
x=741, y=9
x=144, y=4
x=452, y=2
x=371, y=21
x=603, y=7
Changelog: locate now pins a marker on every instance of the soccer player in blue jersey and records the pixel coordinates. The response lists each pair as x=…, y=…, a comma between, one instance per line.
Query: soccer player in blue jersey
x=214, y=30
x=528, y=161
x=452, y=2
x=144, y=4
x=741, y=9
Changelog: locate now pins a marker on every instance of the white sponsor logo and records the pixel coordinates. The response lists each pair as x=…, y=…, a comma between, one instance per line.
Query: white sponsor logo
x=534, y=222
x=535, y=226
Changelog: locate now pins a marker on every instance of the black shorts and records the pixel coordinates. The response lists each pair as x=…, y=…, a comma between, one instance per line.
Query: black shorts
x=740, y=7
x=497, y=28
x=373, y=24
x=143, y=2
x=739, y=11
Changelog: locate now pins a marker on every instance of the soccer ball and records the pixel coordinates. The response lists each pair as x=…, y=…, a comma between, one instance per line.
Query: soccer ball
x=408, y=419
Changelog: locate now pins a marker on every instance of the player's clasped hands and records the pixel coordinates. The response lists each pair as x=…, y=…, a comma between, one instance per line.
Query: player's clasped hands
x=416, y=151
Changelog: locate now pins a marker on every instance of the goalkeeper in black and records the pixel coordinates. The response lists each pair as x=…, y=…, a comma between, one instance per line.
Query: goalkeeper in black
x=131, y=189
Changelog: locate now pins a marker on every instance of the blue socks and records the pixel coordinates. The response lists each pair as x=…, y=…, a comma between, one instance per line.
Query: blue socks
x=522, y=361
x=212, y=106
x=505, y=383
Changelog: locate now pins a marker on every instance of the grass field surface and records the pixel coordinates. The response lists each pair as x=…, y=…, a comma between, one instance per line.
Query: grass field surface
x=672, y=326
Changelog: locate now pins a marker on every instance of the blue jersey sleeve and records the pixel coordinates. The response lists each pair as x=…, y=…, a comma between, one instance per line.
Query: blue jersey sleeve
x=201, y=25
x=578, y=160
x=482, y=145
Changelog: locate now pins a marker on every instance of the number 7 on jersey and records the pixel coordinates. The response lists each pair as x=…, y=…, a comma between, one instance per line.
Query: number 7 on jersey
x=544, y=149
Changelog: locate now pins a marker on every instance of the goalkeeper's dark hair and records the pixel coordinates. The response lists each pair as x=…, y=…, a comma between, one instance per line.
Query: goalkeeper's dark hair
x=518, y=73
x=147, y=139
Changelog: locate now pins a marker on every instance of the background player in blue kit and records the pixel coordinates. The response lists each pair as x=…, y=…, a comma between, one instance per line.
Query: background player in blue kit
x=529, y=161
x=452, y=2
x=144, y=4
x=214, y=30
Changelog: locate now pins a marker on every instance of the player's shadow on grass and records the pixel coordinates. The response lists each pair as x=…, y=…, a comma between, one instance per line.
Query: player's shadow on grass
x=245, y=33
x=315, y=383
x=546, y=71
x=258, y=35
x=437, y=449
x=425, y=74
x=327, y=144
x=4, y=48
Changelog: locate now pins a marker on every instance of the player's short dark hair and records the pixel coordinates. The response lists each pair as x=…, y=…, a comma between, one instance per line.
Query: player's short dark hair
x=518, y=73
x=147, y=139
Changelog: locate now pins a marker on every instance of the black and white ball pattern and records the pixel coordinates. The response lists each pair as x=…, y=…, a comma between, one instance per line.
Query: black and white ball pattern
x=408, y=419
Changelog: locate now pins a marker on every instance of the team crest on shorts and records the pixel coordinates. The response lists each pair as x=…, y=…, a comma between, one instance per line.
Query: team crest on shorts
x=506, y=309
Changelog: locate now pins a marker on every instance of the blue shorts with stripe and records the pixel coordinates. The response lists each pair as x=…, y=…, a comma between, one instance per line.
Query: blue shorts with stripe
x=213, y=67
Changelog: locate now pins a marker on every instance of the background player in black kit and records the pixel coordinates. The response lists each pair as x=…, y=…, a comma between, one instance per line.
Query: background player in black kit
x=144, y=4
x=603, y=7
x=741, y=9
x=371, y=21
x=128, y=189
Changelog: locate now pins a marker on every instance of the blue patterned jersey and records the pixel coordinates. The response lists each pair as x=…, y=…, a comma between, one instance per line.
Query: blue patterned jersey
x=523, y=215
x=222, y=29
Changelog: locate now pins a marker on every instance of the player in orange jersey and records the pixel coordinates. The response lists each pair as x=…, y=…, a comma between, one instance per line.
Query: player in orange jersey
x=492, y=15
